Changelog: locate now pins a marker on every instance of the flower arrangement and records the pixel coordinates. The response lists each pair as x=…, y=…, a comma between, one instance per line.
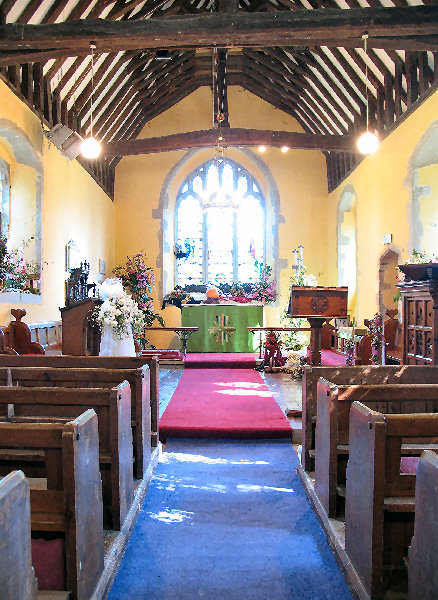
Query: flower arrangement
x=419, y=257
x=303, y=277
x=139, y=280
x=262, y=291
x=120, y=312
x=15, y=270
x=176, y=297
x=375, y=328
x=350, y=358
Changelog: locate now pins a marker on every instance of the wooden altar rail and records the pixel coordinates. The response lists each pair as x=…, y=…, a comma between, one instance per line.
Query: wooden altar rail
x=261, y=329
x=182, y=332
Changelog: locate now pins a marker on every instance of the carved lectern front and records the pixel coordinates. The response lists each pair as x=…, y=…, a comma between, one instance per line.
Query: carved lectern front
x=317, y=304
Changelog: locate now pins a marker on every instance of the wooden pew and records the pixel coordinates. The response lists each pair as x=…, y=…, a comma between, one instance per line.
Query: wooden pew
x=138, y=379
x=423, y=558
x=346, y=375
x=380, y=500
x=332, y=429
x=113, y=409
x=100, y=362
x=17, y=577
x=71, y=505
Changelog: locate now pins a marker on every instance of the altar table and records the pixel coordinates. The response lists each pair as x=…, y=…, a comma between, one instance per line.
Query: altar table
x=222, y=327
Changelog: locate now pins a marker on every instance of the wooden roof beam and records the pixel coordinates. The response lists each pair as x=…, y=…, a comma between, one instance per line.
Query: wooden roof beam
x=233, y=137
x=412, y=28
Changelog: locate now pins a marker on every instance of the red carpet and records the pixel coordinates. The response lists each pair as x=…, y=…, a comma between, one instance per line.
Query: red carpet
x=220, y=360
x=224, y=403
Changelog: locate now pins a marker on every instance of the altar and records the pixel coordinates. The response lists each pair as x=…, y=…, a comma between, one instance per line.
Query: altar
x=222, y=327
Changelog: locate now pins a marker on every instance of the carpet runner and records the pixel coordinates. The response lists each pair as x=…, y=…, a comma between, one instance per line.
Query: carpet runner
x=228, y=520
x=220, y=360
x=224, y=403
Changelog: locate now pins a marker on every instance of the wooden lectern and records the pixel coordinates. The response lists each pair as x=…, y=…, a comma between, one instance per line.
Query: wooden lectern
x=317, y=304
x=80, y=337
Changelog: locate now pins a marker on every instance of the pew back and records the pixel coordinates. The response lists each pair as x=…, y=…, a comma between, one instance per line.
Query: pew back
x=423, y=559
x=138, y=379
x=349, y=375
x=99, y=362
x=72, y=503
x=17, y=577
x=380, y=503
x=332, y=430
x=113, y=409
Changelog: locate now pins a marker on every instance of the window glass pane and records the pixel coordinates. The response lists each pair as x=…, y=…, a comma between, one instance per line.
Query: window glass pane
x=227, y=208
x=220, y=245
x=250, y=238
x=189, y=220
x=228, y=179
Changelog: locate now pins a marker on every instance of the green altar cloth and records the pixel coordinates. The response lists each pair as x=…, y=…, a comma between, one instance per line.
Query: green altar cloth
x=222, y=327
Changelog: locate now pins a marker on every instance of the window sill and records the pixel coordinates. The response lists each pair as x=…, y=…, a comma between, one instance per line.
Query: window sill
x=20, y=297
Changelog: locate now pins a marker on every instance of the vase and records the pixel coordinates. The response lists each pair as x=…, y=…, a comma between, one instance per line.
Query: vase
x=111, y=345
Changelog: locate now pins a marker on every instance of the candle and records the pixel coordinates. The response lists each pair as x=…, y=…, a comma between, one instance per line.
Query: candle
x=301, y=248
x=295, y=252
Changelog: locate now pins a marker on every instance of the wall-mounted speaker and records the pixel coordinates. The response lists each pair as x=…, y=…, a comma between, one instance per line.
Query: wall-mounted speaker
x=66, y=140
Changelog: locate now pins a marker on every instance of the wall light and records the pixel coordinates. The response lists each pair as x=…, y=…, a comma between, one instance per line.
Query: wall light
x=368, y=143
x=90, y=147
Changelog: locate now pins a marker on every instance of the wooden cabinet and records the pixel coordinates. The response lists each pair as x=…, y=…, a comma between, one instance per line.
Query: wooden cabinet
x=420, y=322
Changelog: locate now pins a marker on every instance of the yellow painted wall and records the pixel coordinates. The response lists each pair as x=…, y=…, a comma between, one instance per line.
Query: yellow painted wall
x=382, y=189
x=300, y=177
x=428, y=177
x=73, y=207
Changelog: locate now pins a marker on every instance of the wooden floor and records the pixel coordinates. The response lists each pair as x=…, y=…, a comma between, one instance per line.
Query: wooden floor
x=286, y=391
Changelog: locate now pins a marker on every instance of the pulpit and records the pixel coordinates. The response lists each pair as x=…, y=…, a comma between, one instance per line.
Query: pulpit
x=80, y=336
x=317, y=304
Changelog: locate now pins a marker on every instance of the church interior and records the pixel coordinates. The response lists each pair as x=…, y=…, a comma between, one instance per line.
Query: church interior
x=228, y=174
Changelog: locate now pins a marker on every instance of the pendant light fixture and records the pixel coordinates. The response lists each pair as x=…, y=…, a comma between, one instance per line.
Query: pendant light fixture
x=368, y=143
x=90, y=147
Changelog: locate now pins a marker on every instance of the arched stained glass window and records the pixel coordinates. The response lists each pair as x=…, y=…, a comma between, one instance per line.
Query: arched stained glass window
x=220, y=216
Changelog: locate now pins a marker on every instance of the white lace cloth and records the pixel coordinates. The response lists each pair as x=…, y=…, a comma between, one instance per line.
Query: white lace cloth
x=110, y=344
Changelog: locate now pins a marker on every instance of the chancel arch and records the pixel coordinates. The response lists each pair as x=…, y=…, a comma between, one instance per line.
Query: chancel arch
x=243, y=165
x=347, y=245
x=422, y=180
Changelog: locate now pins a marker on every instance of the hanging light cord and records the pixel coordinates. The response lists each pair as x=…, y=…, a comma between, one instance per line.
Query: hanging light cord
x=92, y=47
x=365, y=37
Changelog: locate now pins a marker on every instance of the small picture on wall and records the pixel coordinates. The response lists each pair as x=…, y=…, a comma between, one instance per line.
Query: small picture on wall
x=72, y=256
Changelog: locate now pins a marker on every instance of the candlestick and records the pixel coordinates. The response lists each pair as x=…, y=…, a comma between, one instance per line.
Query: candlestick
x=301, y=248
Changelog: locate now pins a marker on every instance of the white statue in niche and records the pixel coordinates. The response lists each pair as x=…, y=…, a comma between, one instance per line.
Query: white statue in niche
x=110, y=343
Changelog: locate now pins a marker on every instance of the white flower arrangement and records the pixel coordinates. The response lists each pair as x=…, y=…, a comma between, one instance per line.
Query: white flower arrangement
x=120, y=312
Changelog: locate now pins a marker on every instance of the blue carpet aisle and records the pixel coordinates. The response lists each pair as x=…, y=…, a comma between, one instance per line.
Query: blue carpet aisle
x=227, y=520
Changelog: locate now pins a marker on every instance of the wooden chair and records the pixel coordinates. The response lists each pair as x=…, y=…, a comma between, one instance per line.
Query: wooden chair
x=18, y=336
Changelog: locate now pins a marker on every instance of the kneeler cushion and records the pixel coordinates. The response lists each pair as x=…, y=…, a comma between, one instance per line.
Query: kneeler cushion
x=408, y=464
x=48, y=562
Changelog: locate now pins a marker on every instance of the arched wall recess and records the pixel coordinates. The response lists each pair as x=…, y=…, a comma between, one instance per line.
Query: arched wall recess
x=423, y=207
x=347, y=245
x=166, y=209
x=25, y=154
